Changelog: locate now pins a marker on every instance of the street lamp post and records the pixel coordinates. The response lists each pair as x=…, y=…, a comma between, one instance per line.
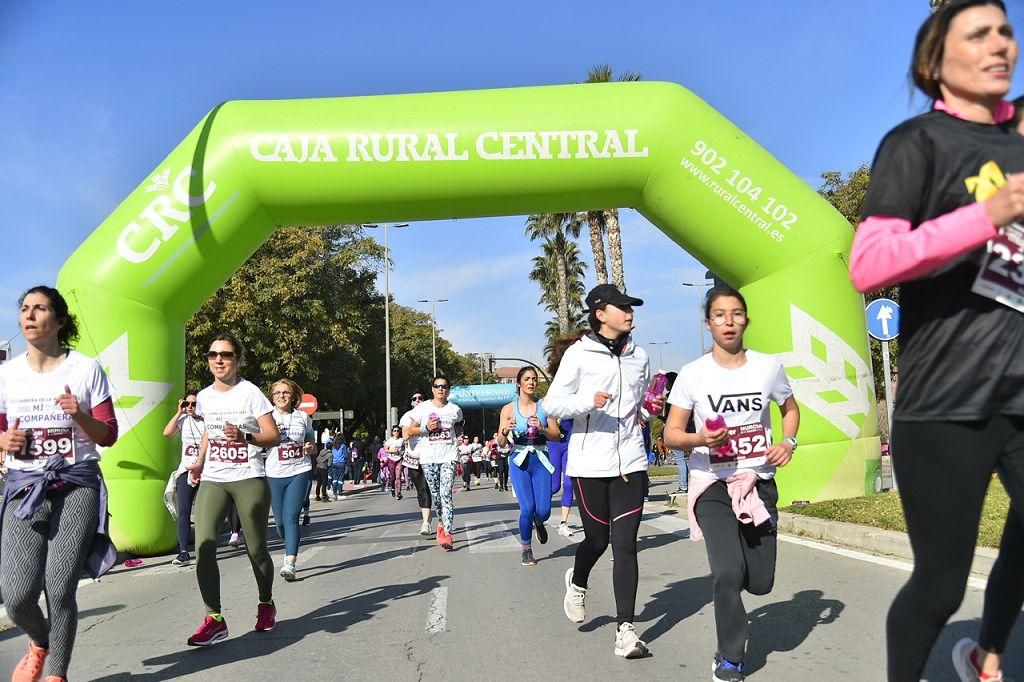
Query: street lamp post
x=387, y=319
x=433, y=325
x=700, y=308
x=661, y=358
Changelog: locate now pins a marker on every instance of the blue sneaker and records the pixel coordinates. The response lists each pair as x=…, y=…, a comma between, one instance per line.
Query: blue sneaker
x=726, y=671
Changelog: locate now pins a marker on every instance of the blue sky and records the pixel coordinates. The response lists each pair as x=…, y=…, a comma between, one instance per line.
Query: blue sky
x=94, y=94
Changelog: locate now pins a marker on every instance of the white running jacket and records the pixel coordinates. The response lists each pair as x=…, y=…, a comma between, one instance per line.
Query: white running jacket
x=605, y=441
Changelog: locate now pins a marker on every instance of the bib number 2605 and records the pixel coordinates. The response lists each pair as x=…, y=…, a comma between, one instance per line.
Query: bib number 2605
x=229, y=453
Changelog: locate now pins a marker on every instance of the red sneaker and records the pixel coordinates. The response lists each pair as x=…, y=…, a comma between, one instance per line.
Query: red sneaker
x=56, y=678
x=445, y=540
x=265, y=615
x=210, y=632
x=30, y=669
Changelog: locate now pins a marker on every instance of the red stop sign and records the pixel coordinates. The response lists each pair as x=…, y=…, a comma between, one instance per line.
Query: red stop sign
x=308, y=404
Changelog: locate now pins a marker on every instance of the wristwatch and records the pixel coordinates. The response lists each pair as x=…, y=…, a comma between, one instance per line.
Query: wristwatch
x=248, y=437
x=792, y=441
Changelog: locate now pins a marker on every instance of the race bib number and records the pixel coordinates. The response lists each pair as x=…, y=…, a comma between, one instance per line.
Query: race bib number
x=43, y=443
x=289, y=452
x=440, y=435
x=1001, y=277
x=749, y=443
x=229, y=453
x=192, y=452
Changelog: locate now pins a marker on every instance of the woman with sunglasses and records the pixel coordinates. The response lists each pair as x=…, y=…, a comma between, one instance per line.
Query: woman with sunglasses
x=288, y=466
x=393, y=447
x=732, y=491
x=527, y=426
x=56, y=411
x=600, y=385
x=946, y=188
x=439, y=423
x=411, y=463
x=181, y=493
x=466, y=462
x=239, y=425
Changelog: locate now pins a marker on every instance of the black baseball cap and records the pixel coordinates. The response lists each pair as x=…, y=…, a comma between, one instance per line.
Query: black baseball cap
x=609, y=293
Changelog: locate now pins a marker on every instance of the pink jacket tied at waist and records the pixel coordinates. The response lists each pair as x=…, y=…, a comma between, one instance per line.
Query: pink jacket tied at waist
x=746, y=503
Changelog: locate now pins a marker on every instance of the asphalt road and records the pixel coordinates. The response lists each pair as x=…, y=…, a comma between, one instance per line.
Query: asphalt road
x=377, y=601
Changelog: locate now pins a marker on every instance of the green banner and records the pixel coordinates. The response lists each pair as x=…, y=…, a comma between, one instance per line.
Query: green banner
x=249, y=167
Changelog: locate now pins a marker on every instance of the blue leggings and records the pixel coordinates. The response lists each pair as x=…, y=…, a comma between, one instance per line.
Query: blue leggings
x=558, y=454
x=286, y=495
x=532, y=484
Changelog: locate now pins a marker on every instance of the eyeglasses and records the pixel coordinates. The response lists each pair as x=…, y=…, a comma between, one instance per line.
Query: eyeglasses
x=442, y=387
x=190, y=403
x=223, y=354
x=719, y=316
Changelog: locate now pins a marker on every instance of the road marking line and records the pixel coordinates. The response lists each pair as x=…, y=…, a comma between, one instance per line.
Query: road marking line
x=485, y=537
x=976, y=583
x=437, y=616
x=668, y=523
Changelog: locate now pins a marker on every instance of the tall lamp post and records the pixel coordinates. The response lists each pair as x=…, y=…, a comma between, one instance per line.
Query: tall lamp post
x=433, y=325
x=700, y=308
x=387, y=319
x=661, y=358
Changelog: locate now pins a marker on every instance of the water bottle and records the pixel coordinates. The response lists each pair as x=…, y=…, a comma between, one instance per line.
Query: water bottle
x=655, y=390
x=531, y=433
x=433, y=416
x=714, y=423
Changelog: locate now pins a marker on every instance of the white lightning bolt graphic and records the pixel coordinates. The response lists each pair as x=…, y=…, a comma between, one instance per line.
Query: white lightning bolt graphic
x=148, y=394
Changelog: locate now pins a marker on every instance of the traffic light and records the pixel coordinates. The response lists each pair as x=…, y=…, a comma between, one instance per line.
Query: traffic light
x=489, y=359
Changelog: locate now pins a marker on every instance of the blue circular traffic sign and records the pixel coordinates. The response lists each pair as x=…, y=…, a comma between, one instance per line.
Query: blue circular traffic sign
x=883, y=319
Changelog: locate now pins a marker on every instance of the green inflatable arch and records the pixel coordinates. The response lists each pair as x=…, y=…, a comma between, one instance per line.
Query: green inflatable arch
x=249, y=167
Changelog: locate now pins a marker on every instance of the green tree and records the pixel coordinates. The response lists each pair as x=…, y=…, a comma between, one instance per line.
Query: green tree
x=558, y=228
x=846, y=194
x=607, y=220
x=544, y=273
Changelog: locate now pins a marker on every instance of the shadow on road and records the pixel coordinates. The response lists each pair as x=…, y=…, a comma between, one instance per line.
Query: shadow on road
x=677, y=602
x=334, y=617
x=784, y=625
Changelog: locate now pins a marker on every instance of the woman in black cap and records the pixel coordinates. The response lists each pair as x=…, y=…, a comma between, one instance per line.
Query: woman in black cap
x=600, y=386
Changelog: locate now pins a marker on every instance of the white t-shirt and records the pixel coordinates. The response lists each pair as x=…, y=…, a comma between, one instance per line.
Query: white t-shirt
x=192, y=431
x=743, y=396
x=476, y=451
x=394, y=446
x=465, y=450
x=288, y=458
x=442, y=446
x=29, y=397
x=410, y=456
x=243, y=405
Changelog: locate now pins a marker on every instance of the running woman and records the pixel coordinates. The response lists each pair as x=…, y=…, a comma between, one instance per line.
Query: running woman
x=288, y=466
x=733, y=496
x=476, y=455
x=239, y=425
x=439, y=422
x=182, y=492
x=411, y=463
x=466, y=462
x=55, y=409
x=525, y=423
x=943, y=186
x=600, y=386
x=394, y=447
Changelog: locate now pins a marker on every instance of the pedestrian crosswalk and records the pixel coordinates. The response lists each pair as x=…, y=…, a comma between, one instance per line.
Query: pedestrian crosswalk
x=484, y=537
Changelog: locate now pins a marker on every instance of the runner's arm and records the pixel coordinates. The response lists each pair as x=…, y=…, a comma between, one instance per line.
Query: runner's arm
x=172, y=426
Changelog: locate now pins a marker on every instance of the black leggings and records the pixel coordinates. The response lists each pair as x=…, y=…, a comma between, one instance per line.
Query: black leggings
x=186, y=495
x=422, y=489
x=611, y=509
x=741, y=556
x=943, y=470
x=501, y=464
x=321, y=483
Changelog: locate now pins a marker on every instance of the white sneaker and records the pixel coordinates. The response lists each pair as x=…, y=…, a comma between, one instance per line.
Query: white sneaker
x=627, y=644
x=575, y=596
x=233, y=540
x=288, y=571
x=564, y=530
x=965, y=665
x=425, y=528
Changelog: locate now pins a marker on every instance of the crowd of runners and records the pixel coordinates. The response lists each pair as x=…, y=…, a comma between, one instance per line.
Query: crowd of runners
x=246, y=453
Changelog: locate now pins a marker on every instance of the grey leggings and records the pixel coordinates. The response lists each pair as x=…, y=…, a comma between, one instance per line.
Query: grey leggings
x=52, y=547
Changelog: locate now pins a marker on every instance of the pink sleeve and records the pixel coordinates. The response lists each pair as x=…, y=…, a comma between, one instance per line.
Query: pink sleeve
x=104, y=412
x=3, y=423
x=886, y=251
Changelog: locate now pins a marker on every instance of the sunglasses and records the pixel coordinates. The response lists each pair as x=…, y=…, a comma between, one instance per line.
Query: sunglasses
x=190, y=403
x=223, y=354
x=417, y=399
x=442, y=387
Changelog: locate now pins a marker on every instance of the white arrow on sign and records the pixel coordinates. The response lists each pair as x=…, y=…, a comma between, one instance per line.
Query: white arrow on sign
x=883, y=316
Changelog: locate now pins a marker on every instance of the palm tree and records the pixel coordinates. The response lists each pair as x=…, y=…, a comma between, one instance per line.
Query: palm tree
x=607, y=218
x=564, y=253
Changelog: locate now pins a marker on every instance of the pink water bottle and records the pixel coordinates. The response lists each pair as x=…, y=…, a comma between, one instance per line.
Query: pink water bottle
x=531, y=433
x=655, y=390
x=433, y=417
x=714, y=423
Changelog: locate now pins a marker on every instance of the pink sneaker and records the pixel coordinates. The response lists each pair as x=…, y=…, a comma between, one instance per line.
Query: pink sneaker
x=265, y=615
x=30, y=669
x=210, y=632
